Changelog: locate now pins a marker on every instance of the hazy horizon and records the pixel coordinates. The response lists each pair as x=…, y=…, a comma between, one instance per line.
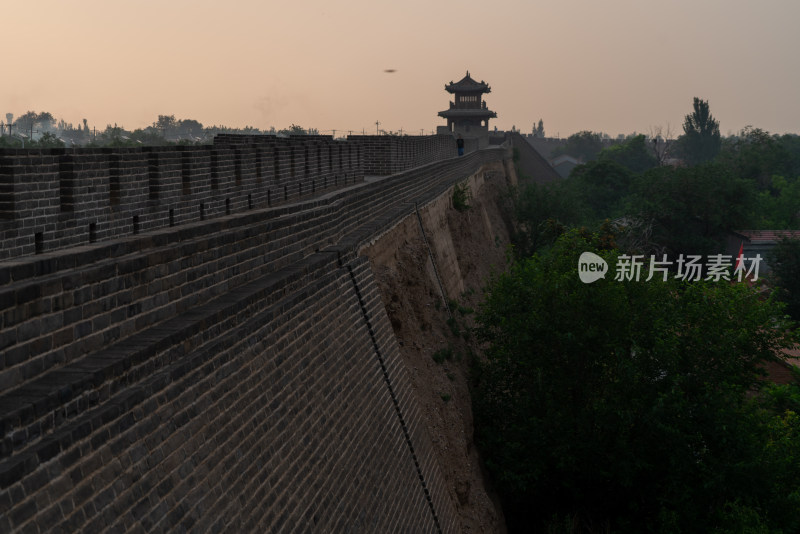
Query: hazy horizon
x=615, y=67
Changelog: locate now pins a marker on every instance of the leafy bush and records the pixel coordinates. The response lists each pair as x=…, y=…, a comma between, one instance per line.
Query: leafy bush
x=461, y=196
x=785, y=262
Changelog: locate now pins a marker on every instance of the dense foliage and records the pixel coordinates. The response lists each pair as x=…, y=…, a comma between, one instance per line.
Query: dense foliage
x=640, y=407
x=784, y=260
x=692, y=209
x=583, y=145
x=623, y=407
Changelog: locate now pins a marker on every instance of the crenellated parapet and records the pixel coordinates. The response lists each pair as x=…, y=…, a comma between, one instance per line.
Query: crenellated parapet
x=384, y=154
x=51, y=199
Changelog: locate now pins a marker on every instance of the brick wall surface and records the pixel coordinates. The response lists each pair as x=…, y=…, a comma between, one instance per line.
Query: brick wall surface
x=231, y=373
x=384, y=155
x=532, y=164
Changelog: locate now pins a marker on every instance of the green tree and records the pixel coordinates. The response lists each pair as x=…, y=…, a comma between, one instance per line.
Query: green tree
x=166, y=124
x=784, y=260
x=583, y=145
x=790, y=144
x=45, y=120
x=190, y=127
x=701, y=139
x=632, y=154
x=602, y=185
x=31, y=119
x=294, y=129
x=623, y=406
x=541, y=212
x=148, y=137
x=115, y=136
x=692, y=209
x=26, y=121
x=778, y=208
x=7, y=141
x=49, y=140
x=756, y=155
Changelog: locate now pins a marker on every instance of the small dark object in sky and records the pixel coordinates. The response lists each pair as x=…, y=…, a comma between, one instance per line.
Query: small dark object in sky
x=390, y=70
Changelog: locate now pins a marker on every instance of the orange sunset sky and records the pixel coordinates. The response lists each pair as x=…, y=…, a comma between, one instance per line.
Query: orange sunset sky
x=615, y=66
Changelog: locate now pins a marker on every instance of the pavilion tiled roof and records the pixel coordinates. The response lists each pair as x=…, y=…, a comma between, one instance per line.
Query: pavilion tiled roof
x=467, y=84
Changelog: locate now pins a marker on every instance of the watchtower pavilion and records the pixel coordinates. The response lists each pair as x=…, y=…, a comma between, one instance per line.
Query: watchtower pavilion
x=468, y=115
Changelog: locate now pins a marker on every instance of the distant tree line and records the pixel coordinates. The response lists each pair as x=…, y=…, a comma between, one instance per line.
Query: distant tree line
x=700, y=141
x=686, y=202
x=42, y=130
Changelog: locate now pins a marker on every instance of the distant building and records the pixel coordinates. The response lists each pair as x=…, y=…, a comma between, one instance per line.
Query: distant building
x=759, y=242
x=468, y=115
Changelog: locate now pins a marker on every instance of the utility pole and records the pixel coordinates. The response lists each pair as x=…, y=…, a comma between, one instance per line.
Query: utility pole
x=377, y=127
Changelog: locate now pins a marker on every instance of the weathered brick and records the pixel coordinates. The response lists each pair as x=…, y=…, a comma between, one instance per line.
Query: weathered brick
x=23, y=512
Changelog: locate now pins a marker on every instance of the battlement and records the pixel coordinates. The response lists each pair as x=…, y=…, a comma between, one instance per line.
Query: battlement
x=51, y=199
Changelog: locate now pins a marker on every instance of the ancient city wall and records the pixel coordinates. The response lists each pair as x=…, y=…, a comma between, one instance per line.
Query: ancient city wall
x=233, y=372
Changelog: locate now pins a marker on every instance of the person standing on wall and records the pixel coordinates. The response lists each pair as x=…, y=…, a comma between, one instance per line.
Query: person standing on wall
x=460, y=145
